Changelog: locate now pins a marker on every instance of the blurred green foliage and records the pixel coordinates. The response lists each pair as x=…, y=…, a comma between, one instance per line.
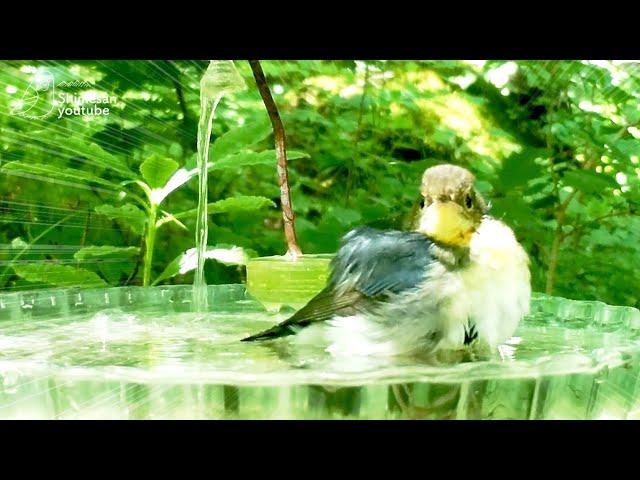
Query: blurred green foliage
x=554, y=145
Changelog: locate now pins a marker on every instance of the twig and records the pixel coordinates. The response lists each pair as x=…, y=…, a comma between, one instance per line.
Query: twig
x=595, y=221
x=281, y=153
x=558, y=236
x=358, y=134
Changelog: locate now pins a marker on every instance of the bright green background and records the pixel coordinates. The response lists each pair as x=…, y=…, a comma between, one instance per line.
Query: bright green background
x=554, y=145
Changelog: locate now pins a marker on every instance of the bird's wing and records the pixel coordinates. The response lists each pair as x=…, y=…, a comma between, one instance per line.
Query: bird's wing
x=369, y=266
x=377, y=263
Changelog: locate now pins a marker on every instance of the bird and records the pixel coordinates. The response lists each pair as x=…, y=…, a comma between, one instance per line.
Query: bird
x=457, y=279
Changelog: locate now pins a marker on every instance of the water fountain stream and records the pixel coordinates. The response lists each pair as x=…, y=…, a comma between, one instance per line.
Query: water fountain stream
x=220, y=78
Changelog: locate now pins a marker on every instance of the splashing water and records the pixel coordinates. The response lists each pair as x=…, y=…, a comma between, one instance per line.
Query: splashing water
x=138, y=352
x=221, y=78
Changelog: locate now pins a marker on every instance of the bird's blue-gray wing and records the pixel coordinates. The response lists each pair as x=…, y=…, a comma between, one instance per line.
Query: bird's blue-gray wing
x=370, y=266
x=377, y=263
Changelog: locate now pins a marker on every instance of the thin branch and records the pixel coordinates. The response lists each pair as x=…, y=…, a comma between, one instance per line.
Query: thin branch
x=281, y=153
x=358, y=134
x=596, y=220
x=559, y=237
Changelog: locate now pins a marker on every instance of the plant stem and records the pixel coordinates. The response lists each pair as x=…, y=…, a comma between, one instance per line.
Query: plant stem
x=149, y=242
x=281, y=153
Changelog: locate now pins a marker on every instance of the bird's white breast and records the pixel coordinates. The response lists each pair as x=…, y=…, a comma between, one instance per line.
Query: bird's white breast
x=494, y=289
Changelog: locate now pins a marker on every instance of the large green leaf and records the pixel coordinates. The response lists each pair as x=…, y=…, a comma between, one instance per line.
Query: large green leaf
x=243, y=159
x=96, y=156
x=233, y=204
x=105, y=251
x=188, y=261
x=520, y=167
x=53, y=173
x=627, y=147
x=156, y=171
x=128, y=213
x=239, y=138
x=59, y=275
x=589, y=182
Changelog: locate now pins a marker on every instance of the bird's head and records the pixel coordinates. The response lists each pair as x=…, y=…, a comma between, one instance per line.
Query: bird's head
x=451, y=209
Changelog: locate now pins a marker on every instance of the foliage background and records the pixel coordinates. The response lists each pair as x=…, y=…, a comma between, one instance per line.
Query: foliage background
x=554, y=144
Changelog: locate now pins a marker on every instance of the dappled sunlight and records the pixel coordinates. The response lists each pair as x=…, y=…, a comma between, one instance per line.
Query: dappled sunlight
x=107, y=200
x=425, y=81
x=499, y=76
x=534, y=132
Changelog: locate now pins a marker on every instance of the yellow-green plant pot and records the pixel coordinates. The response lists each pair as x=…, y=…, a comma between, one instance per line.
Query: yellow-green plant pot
x=278, y=281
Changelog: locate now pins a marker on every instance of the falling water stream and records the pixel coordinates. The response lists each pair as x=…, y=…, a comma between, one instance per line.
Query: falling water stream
x=220, y=78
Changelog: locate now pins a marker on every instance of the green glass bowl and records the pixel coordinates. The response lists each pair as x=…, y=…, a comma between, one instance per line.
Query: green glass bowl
x=278, y=281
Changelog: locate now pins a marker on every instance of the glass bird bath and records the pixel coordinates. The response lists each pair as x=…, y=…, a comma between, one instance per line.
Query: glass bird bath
x=140, y=353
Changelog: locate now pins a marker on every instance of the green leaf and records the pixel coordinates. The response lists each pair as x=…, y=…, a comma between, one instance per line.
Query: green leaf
x=59, y=275
x=520, y=167
x=243, y=159
x=175, y=150
x=632, y=112
x=238, y=139
x=513, y=209
x=345, y=216
x=156, y=171
x=444, y=137
x=183, y=175
x=53, y=173
x=128, y=213
x=105, y=251
x=96, y=155
x=187, y=261
x=233, y=204
x=628, y=147
x=589, y=182
x=113, y=263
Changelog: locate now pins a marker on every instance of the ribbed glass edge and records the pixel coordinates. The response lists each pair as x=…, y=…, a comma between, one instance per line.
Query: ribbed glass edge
x=233, y=298
x=43, y=303
x=229, y=298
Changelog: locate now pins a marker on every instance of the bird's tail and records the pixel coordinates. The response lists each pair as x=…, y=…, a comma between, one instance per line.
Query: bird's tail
x=273, y=332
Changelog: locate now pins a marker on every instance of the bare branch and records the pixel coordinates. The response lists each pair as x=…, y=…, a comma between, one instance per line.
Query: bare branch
x=281, y=153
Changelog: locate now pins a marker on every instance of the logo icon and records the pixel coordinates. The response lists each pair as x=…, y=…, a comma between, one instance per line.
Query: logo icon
x=38, y=98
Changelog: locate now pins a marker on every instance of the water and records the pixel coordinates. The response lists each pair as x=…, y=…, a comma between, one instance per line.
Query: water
x=220, y=78
x=134, y=353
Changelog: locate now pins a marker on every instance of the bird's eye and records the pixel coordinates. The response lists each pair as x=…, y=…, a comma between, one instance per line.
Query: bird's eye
x=422, y=203
x=468, y=201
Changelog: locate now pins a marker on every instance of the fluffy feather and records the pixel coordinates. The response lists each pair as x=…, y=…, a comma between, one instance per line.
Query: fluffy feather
x=389, y=294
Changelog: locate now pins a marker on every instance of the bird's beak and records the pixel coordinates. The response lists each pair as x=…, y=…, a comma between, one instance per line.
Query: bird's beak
x=446, y=222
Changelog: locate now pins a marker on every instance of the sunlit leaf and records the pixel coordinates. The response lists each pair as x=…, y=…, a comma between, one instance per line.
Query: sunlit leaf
x=239, y=138
x=156, y=171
